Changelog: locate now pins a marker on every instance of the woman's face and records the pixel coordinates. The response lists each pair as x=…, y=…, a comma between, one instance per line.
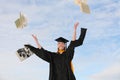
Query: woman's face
x=61, y=45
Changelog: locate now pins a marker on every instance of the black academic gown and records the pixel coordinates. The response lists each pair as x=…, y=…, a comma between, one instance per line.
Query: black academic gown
x=60, y=68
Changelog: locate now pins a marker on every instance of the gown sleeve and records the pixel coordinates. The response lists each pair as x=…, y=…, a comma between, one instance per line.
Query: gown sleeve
x=76, y=43
x=42, y=53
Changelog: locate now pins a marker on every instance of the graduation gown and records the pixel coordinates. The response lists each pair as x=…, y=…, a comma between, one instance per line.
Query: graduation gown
x=60, y=68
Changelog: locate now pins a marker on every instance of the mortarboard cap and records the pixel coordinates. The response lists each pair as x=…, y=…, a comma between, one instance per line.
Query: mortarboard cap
x=61, y=39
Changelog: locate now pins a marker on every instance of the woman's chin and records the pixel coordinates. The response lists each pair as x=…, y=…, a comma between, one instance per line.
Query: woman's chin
x=61, y=48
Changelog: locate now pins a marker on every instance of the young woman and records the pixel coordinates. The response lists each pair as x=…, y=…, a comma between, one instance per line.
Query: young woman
x=60, y=61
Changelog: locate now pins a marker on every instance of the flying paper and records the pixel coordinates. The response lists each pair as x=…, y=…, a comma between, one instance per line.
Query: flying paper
x=21, y=22
x=83, y=6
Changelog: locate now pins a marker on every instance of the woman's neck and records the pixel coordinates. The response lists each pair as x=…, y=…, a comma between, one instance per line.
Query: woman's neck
x=61, y=51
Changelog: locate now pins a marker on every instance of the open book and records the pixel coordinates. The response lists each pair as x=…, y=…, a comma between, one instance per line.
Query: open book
x=83, y=6
x=23, y=53
x=21, y=22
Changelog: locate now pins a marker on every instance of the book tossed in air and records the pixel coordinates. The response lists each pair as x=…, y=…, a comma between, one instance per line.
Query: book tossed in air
x=83, y=6
x=21, y=22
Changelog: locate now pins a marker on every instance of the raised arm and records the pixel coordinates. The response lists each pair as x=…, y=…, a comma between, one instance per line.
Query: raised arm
x=74, y=31
x=75, y=43
x=37, y=42
x=79, y=41
x=40, y=52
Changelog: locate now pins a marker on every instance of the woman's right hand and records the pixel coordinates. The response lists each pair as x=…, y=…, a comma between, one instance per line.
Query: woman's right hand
x=35, y=37
x=36, y=40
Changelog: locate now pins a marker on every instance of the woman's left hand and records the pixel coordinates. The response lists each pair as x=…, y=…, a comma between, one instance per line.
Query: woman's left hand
x=76, y=25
